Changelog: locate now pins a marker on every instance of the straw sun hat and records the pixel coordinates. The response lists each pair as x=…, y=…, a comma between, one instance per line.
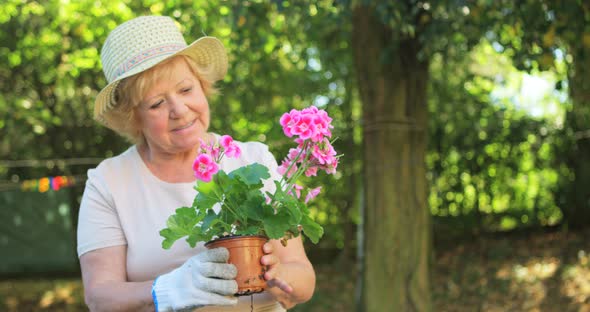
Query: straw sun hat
x=142, y=43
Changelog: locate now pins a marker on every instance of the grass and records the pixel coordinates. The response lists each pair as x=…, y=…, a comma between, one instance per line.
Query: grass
x=536, y=272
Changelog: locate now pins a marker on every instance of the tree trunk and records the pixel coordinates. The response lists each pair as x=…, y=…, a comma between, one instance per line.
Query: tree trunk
x=396, y=219
x=576, y=206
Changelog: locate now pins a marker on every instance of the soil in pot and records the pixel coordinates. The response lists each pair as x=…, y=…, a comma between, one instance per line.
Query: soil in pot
x=245, y=253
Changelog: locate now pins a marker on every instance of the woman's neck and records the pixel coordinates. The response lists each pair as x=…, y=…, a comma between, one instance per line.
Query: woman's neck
x=169, y=167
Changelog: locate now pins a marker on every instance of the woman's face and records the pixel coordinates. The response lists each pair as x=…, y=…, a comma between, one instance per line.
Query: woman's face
x=174, y=113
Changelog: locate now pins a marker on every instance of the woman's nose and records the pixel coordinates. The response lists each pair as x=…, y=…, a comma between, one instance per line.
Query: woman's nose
x=177, y=108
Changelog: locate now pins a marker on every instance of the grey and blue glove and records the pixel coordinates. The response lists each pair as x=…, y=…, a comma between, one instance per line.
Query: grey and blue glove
x=204, y=279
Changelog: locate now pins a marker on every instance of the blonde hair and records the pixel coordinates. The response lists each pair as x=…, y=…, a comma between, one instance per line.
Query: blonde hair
x=131, y=90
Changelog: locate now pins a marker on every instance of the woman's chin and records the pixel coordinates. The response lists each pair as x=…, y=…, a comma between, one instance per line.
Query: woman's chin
x=187, y=144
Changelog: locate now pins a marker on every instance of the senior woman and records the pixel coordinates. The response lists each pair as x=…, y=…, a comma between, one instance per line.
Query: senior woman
x=157, y=98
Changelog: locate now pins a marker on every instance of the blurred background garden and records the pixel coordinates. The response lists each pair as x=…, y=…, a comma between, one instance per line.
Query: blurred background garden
x=465, y=129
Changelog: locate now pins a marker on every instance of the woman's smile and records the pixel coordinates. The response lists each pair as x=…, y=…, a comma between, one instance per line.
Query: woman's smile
x=185, y=126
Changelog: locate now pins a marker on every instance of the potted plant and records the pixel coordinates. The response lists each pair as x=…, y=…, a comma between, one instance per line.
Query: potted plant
x=245, y=214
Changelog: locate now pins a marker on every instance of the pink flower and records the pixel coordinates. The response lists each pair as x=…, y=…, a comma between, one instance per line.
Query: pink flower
x=282, y=169
x=311, y=171
x=310, y=123
x=204, y=148
x=305, y=127
x=311, y=194
x=209, y=148
x=299, y=142
x=322, y=124
x=294, y=152
x=288, y=121
x=231, y=149
x=331, y=168
x=215, y=152
x=324, y=152
x=226, y=141
x=297, y=189
x=310, y=110
x=205, y=167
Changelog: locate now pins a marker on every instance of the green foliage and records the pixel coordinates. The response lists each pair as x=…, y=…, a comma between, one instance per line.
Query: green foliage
x=532, y=32
x=243, y=210
x=490, y=161
x=282, y=55
x=545, y=35
x=286, y=54
x=48, y=81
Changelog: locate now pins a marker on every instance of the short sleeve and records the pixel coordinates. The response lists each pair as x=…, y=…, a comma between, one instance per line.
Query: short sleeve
x=98, y=221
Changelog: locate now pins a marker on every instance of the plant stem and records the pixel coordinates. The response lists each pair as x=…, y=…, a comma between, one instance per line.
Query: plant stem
x=283, y=180
x=223, y=201
x=299, y=171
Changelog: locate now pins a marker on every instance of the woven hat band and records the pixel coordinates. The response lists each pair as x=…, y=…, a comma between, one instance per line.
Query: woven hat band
x=129, y=41
x=127, y=65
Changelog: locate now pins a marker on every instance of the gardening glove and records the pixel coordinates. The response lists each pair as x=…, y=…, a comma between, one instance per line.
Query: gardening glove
x=204, y=279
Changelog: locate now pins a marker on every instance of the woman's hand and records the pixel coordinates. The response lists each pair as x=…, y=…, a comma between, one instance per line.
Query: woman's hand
x=290, y=277
x=273, y=274
x=204, y=279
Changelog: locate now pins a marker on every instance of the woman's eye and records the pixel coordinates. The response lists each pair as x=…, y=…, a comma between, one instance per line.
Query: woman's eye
x=186, y=90
x=156, y=105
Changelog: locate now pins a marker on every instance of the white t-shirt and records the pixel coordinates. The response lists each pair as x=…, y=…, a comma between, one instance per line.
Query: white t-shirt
x=125, y=204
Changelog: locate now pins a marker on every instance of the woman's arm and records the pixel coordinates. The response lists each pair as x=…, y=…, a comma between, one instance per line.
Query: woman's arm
x=291, y=277
x=105, y=282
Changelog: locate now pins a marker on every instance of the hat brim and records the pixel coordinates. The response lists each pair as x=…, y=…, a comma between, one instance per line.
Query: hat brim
x=206, y=51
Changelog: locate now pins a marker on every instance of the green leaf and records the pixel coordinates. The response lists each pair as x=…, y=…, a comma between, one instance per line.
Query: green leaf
x=289, y=203
x=254, y=207
x=180, y=224
x=311, y=229
x=276, y=225
x=207, y=194
x=293, y=207
x=208, y=220
x=197, y=235
x=252, y=174
x=250, y=230
x=229, y=217
x=169, y=237
x=183, y=220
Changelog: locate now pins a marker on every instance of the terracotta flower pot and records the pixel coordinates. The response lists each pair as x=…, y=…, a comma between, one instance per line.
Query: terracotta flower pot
x=245, y=253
